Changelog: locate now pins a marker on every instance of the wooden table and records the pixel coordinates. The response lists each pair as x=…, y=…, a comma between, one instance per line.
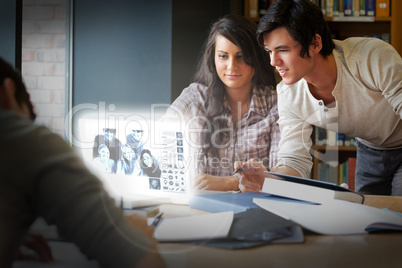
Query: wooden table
x=382, y=250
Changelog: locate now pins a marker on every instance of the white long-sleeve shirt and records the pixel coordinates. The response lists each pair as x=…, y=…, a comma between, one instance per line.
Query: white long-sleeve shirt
x=368, y=103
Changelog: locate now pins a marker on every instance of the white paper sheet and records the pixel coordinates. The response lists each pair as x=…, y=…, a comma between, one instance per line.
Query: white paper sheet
x=333, y=218
x=206, y=226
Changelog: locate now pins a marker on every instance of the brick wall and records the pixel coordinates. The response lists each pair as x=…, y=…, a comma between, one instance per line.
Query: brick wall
x=43, y=59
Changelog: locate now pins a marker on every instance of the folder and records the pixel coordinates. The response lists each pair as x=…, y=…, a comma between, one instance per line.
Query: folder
x=247, y=229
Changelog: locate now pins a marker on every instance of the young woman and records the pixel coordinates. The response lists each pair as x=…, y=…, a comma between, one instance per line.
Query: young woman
x=127, y=165
x=149, y=165
x=102, y=162
x=231, y=106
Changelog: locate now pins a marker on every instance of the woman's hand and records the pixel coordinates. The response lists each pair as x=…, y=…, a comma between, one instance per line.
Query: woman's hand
x=215, y=183
x=252, y=177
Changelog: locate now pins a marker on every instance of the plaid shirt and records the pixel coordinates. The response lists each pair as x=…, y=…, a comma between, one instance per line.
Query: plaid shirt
x=255, y=136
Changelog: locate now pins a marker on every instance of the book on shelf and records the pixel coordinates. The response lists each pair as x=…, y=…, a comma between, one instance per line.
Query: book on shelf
x=320, y=136
x=370, y=8
x=356, y=8
x=336, y=8
x=340, y=139
x=322, y=6
x=331, y=138
x=348, y=8
x=362, y=7
x=341, y=7
x=307, y=189
x=351, y=169
x=253, y=8
x=382, y=8
x=343, y=173
x=329, y=8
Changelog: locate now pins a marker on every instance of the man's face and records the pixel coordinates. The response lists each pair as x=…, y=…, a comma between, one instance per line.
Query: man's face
x=109, y=135
x=137, y=134
x=285, y=56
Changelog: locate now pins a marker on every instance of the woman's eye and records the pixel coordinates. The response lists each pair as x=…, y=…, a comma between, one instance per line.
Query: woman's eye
x=223, y=56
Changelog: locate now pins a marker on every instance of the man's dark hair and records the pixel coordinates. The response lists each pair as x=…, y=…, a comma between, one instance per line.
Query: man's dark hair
x=21, y=93
x=302, y=19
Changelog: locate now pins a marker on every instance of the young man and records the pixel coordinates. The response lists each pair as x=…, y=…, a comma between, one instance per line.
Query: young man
x=352, y=87
x=41, y=175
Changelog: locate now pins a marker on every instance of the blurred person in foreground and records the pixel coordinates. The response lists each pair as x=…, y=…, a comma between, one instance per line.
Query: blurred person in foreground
x=55, y=184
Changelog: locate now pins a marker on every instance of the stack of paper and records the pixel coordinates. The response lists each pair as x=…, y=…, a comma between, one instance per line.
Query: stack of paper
x=206, y=226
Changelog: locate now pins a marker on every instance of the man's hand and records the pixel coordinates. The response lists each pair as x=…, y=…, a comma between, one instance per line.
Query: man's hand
x=35, y=247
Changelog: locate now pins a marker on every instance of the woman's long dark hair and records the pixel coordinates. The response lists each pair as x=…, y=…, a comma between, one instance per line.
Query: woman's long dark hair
x=241, y=32
x=154, y=170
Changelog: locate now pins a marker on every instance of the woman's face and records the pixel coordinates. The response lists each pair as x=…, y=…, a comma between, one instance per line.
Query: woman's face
x=128, y=153
x=147, y=159
x=104, y=154
x=234, y=72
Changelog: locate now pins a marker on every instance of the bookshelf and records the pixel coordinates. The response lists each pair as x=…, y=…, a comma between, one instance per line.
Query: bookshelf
x=337, y=159
x=344, y=27
x=332, y=156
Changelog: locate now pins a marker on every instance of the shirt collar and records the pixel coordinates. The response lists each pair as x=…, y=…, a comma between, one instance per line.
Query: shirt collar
x=258, y=103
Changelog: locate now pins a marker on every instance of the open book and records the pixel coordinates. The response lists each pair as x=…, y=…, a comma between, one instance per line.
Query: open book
x=336, y=217
x=308, y=189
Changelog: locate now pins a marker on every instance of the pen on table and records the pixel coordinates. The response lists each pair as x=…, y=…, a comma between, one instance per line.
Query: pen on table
x=157, y=219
